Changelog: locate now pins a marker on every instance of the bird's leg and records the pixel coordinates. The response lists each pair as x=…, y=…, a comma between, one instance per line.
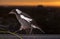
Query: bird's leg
x=31, y=30
x=16, y=31
x=28, y=31
x=21, y=28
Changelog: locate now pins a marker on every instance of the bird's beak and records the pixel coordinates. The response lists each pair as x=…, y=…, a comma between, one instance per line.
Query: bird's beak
x=10, y=12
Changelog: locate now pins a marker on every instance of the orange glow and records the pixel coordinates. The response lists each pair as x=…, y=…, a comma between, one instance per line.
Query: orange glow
x=30, y=3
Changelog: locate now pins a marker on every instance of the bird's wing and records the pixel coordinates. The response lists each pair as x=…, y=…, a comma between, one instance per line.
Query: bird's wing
x=26, y=18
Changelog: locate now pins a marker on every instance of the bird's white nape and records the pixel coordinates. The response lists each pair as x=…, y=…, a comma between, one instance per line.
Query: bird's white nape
x=18, y=11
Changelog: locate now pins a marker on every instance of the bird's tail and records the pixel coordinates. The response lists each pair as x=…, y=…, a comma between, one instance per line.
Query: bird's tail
x=37, y=28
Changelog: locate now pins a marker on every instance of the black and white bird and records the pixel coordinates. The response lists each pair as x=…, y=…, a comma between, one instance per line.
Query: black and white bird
x=25, y=20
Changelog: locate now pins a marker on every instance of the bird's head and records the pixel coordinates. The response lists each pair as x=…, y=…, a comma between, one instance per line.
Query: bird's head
x=16, y=11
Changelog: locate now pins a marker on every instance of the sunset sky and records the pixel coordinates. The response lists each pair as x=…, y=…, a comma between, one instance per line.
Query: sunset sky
x=30, y=2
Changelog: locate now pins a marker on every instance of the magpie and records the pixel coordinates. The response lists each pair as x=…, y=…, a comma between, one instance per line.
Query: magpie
x=25, y=20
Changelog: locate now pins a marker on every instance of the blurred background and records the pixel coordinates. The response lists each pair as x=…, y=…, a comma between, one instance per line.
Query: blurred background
x=46, y=13
x=30, y=2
